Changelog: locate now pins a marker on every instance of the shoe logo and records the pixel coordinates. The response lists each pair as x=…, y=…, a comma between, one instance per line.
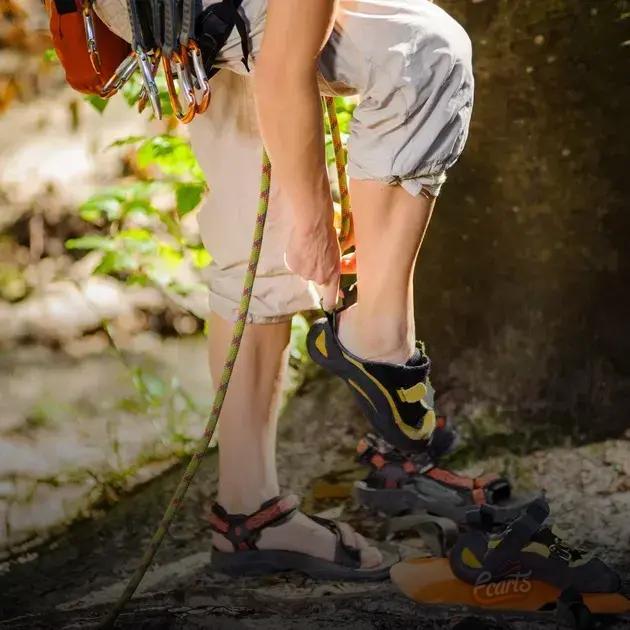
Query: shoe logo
x=513, y=587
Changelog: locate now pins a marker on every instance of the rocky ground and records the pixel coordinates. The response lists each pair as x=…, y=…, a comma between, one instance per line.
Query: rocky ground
x=72, y=582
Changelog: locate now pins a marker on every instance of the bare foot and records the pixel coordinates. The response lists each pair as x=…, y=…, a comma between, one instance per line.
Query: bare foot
x=304, y=535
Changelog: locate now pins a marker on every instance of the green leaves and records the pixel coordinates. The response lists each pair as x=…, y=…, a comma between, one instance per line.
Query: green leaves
x=188, y=196
x=98, y=103
x=117, y=203
x=92, y=241
x=172, y=155
x=50, y=56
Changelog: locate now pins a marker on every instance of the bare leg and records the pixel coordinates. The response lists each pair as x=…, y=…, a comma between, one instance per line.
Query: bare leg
x=389, y=226
x=247, y=440
x=247, y=434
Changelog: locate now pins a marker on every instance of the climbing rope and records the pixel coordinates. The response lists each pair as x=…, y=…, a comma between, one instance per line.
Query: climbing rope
x=228, y=368
x=342, y=176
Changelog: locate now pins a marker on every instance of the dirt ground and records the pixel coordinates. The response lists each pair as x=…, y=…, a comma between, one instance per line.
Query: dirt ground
x=72, y=582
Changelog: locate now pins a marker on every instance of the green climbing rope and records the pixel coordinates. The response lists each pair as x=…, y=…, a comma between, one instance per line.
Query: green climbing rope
x=237, y=336
x=340, y=162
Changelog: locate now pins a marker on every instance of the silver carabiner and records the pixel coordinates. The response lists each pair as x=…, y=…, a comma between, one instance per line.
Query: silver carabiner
x=146, y=67
x=200, y=75
x=90, y=36
x=123, y=73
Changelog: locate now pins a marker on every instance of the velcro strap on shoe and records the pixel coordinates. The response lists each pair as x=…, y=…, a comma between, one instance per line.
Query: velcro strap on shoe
x=518, y=534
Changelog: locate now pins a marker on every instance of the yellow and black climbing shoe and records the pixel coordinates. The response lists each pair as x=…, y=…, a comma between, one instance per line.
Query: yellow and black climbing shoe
x=392, y=396
x=529, y=548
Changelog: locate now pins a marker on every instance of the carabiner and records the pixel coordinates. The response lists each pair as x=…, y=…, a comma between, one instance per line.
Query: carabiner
x=200, y=75
x=90, y=36
x=143, y=98
x=122, y=74
x=149, y=82
x=183, y=77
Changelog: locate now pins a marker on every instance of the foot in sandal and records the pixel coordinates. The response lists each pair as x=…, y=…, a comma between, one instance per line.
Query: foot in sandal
x=278, y=538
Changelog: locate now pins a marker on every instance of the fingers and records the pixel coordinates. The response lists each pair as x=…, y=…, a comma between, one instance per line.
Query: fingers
x=329, y=292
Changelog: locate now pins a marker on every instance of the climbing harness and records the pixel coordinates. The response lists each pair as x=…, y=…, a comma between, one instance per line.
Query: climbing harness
x=237, y=336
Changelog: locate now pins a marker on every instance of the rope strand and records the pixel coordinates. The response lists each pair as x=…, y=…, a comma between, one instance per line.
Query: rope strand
x=340, y=162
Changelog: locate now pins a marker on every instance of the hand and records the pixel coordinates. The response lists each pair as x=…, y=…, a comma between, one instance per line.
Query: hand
x=313, y=253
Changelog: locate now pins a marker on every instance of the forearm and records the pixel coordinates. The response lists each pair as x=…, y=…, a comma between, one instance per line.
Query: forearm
x=290, y=115
x=289, y=106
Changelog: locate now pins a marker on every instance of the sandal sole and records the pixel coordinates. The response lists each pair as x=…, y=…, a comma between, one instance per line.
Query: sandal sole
x=265, y=562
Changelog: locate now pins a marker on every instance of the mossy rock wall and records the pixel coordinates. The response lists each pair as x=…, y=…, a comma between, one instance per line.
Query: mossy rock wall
x=523, y=283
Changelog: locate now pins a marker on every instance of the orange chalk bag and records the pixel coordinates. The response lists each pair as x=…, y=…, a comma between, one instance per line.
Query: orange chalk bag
x=96, y=61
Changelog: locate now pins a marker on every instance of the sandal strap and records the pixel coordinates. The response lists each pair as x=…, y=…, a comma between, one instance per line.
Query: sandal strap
x=482, y=490
x=392, y=469
x=345, y=554
x=244, y=530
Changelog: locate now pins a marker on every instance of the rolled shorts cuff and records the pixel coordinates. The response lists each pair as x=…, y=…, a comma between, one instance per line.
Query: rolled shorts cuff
x=274, y=300
x=415, y=185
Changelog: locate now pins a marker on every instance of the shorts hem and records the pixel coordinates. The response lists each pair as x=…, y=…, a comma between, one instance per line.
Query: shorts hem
x=414, y=184
x=229, y=309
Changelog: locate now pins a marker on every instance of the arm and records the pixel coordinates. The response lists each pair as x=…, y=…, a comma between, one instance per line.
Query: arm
x=290, y=114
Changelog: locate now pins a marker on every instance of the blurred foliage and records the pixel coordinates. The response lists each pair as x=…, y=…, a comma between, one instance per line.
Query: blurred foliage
x=140, y=236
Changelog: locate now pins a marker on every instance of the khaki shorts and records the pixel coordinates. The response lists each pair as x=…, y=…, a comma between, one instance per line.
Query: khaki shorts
x=229, y=149
x=411, y=65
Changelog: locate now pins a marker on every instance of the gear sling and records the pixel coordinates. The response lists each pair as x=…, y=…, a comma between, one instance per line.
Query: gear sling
x=175, y=34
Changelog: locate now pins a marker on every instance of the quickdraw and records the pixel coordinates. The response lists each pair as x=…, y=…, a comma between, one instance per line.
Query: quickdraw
x=173, y=34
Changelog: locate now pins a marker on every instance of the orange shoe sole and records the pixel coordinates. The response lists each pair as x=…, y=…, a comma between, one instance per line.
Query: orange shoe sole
x=431, y=581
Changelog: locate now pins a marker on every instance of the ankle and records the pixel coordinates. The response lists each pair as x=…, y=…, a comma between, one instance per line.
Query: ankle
x=234, y=502
x=377, y=337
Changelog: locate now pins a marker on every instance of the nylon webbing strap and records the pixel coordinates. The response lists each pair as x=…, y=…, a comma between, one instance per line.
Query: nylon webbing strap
x=213, y=28
x=189, y=12
x=242, y=30
x=170, y=27
x=138, y=13
x=158, y=22
x=66, y=6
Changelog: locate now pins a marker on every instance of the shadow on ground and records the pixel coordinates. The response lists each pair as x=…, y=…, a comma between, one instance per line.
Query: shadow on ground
x=72, y=582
